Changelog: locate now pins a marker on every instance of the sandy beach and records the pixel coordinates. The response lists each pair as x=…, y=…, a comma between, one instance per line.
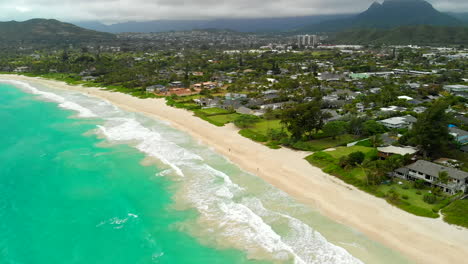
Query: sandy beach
x=423, y=240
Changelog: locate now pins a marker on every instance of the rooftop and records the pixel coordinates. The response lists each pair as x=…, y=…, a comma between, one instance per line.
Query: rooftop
x=399, y=120
x=433, y=169
x=398, y=150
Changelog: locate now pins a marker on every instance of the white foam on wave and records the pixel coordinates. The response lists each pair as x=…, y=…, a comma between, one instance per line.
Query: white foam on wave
x=309, y=244
x=214, y=195
x=239, y=222
x=149, y=141
x=63, y=103
x=210, y=191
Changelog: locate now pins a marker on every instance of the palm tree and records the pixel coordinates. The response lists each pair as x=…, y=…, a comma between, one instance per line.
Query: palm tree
x=443, y=177
x=376, y=140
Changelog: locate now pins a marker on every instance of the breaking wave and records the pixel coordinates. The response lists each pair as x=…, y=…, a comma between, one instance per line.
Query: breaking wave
x=229, y=212
x=63, y=103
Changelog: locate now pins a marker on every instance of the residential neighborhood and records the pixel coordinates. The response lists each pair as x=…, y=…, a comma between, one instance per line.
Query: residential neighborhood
x=376, y=117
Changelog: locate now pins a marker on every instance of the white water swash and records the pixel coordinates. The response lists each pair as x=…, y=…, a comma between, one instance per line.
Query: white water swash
x=235, y=209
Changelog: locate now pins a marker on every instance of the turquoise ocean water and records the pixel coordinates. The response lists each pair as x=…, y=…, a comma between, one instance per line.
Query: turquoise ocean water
x=82, y=181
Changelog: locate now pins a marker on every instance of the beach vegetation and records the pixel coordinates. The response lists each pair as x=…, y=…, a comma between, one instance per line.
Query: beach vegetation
x=248, y=133
x=371, y=176
x=322, y=143
x=457, y=213
x=304, y=120
x=246, y=121
x=216, y=116
x=335, y=128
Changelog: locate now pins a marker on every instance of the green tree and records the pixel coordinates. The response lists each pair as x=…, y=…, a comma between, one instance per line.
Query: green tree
x=356, y=158
x=376, y=140
x=372, y=127
x=303, y=119
x=335, y=128
x=443, y=177
x=430, y=132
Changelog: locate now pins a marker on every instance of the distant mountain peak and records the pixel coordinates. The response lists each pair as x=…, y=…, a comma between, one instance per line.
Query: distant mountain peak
x=49, y=31
x=376, y=5
x=390, y=14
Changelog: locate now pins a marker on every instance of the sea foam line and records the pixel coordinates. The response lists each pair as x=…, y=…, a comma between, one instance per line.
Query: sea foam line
x=63, y=103
x=212, y=192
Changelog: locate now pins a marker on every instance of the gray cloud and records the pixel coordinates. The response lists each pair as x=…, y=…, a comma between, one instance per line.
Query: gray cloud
x=139, y=10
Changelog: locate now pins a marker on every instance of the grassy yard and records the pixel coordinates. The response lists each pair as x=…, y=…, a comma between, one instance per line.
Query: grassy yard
x=216, y=116
x=411, y=199
x=263, y=126
x=324, y=143
x=345, y=151
x=253, y=135
x=407, y=197
x=224, y=119
x=214, y=111
x=457, y=213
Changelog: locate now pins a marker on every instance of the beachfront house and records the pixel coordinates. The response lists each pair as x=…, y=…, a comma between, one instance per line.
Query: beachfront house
x=399, y=122
x=158, y=88
x=21, y=69
x=429, y=172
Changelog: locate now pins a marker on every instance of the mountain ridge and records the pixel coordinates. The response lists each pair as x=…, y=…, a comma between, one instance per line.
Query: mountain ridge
x=48, y=31
x=390, y=14
x=404, y=35
x=237, y=24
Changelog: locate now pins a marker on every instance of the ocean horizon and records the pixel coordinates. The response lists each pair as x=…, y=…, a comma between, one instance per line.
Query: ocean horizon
x=83, y=181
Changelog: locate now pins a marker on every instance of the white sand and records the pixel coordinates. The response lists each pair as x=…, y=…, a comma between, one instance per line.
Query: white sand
x=423, y=240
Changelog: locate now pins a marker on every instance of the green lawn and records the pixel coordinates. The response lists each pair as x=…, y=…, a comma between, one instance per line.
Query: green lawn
x=224, y=119
x=263, y=126
x=345, y=151
x=329, y=160
x=324, y=143
x=214, y=111
x=414, y=200
x=457, y=213
x=409, y=198
x=253, y=135
x=216, y=116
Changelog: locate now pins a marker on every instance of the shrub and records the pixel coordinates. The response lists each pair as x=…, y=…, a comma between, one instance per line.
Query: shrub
x=418, y=192
x=343, y=162
x=253, y=135
x=322, y=156
x=245, y=121
x=406, y=187
x=405, y=197
x=356, y=158
x=419, y=184
x=429, y=198
x=276, y=134
x=273, y=145
x=393, y=196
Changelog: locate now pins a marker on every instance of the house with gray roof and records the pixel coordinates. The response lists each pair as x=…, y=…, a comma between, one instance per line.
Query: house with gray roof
x=244, y=110
x=399, y=121
x=429, y=172
x=460, y=135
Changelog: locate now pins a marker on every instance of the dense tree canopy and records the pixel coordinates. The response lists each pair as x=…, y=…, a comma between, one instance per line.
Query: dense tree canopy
x=304, y=118
x=430, y=132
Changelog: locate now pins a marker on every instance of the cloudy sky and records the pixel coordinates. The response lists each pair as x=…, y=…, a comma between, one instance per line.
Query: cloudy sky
x=110, y=11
